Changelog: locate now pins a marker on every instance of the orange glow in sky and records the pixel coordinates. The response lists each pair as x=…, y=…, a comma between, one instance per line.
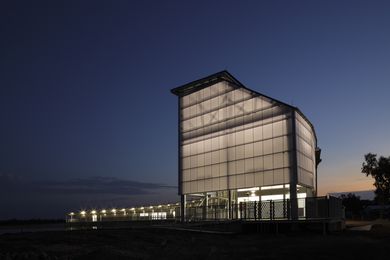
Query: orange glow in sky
x=343, y=179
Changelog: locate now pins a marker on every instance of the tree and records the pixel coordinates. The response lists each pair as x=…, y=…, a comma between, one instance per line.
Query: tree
x=353, y=205
x=379, y=169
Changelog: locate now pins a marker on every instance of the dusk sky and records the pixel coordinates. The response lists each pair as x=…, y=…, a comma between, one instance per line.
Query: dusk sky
x=88, y=120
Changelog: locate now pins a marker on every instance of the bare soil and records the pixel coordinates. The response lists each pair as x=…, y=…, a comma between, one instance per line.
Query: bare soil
x=156, y=243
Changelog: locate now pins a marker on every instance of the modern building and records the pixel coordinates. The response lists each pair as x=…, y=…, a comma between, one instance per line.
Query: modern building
x=242, y=156
x=237, y=145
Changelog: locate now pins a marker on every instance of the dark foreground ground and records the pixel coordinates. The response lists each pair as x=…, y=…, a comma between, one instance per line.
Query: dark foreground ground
x=156, y=243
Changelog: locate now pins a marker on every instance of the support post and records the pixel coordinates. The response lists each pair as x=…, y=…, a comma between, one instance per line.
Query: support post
x=294, y=172
x=205, y=206
x=255, y=209
x=183, y=208
x=229, y=216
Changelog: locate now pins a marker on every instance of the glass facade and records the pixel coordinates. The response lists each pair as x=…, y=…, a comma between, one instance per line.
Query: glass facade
x=233, y=138
x=306, y=146
x=239, y=146
x=242, y=155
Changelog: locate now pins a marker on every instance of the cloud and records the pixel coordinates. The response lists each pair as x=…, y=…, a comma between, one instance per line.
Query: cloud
x=102, y=185
x=93, y=185
x=28, y=198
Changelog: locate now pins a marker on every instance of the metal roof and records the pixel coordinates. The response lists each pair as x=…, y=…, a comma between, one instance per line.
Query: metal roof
x=202, y=83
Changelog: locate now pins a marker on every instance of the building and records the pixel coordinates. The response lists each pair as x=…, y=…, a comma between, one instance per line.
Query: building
x=238, y=146
x=242, y=156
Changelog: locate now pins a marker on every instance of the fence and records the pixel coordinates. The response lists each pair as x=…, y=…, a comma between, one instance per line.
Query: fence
x=308, y=208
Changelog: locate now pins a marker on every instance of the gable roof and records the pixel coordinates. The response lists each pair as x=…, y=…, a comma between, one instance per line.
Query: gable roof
x=224, y=75
x=202, y=83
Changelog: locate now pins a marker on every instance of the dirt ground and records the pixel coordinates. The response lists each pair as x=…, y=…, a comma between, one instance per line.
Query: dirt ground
x=156, y=243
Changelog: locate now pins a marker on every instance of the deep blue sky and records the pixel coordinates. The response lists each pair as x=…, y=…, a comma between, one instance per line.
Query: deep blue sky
x=85, y=108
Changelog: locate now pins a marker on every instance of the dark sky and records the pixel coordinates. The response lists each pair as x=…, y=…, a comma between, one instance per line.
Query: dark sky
x=87, y=119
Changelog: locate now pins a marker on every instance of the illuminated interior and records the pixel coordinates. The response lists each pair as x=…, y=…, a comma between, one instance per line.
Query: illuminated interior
x=237, y=145
x=241, y=155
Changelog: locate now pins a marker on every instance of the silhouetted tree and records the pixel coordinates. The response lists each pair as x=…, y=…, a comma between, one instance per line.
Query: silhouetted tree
x=352, y=203
x=379, y=169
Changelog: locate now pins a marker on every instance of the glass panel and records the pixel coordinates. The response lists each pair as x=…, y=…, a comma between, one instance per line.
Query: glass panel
x=194, y=148
x=193, y=111
x=249, y=179
x=186, y=187
x=248, y=106
x=201, y=160
x=277, y=128
x=239, y=137
x=215, y=184
x=205, y=93
x=215, y=170
x=240, y=166
x=186, y=150
x=194, y=161
x=258, y=148
x=286, y=159
x=240, y=152
x=194, y=186
x=237, y=95
x=278, y=144
x=215, y=157
x=239, y=109
x=259, y=179
x=223, y=169
x=240, y=181
x=232, y=167
x=222, y=142
x=186, y=175
x=278, y=176
x=248, y=149
x=267, y=131
x=231, y=153
x=207, y=172
x=207, y=159
x=184, y=101
x=245, y=94
x=258, y=164
x=214, y=102
x=208, y=185
x=258, y=133
x=223, y=183
x=200, y=173
x=249, y=165
x=231, y=139
x=232, y=182
x=186, y=163
x=268, y=178
x=206, y=119
x=207, y=145
x=201, y=185
x=193, y=173
x=267, y=146
x=268, y=162
x=248, y=135
x=286, y=175
x=258, y=103
x=214, y=90
x=215, y=143
x=278, y=160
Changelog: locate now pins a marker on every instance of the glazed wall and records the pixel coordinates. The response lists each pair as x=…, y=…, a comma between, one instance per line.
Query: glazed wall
x=232, y=138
